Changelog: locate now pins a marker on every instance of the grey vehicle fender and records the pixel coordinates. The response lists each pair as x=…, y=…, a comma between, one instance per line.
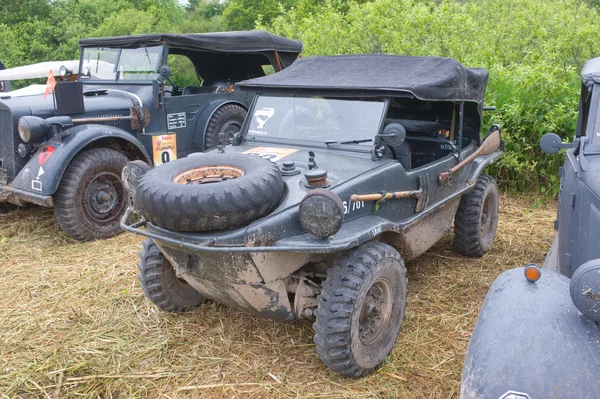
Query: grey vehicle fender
x=206, y=115
x=531, y=340
x=43, y=172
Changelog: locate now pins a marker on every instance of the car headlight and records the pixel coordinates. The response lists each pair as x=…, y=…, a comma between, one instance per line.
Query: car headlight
x=64, y=71
x=321, y=213
x=32, y=129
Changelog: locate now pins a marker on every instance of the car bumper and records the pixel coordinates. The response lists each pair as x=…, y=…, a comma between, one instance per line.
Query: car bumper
x=21, y=197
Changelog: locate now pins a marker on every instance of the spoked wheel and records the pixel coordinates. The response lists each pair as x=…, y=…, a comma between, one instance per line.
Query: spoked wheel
x=361, y=309
x=476, y=219
x=160, y=283
x=91, y=199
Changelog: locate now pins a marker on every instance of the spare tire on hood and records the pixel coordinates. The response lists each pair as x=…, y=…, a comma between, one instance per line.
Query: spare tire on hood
x=209, y=192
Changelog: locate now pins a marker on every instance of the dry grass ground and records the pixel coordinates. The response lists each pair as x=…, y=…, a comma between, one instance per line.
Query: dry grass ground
x=74, y=323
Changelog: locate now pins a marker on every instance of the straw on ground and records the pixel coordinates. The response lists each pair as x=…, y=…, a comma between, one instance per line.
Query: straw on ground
x=74, y=323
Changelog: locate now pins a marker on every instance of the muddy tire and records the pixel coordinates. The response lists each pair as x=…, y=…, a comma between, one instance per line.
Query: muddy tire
x=209, y=192
x=160, y=283
x=227, y=119
x=476, y=219
x=90, y=200
x=361, y=309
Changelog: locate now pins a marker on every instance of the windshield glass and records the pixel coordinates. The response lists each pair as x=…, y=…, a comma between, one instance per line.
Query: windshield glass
x=121, y=64
x=325, y=120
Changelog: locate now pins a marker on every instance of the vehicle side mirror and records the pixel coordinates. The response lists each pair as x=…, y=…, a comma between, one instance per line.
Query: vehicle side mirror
x=165, y=72
x=551, y=143
x=393, y=134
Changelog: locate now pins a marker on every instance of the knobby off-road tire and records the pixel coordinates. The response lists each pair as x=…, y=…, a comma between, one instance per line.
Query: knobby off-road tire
x=476, y=219
x=160, y=283
x=361, y=309
x=90, y=200
x=209, y=192
x=227, y=119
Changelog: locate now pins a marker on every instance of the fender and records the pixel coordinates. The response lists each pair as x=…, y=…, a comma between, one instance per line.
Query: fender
x=530, y=339
x=42, y=174
x=207, y=113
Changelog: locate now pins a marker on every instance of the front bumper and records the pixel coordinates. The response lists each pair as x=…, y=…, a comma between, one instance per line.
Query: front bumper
x=21, y=197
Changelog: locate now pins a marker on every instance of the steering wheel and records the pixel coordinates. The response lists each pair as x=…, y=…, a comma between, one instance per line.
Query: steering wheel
x=174, y=89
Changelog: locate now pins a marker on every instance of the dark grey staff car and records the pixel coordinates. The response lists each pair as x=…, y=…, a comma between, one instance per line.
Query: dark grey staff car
x=345, y=168
x=151, y=97
x=537, y=335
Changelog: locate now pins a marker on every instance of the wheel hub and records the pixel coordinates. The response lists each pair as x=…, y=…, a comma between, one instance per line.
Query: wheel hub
x=486, y=218
x=209, y=174
x=375, y=312
x=103, y=196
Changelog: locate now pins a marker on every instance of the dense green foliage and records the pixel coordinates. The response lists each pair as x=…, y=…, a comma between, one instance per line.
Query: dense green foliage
x=532, y=48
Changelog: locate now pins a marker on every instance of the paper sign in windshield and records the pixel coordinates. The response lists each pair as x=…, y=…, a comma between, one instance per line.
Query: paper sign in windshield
x=262, y=116
x=271, y=153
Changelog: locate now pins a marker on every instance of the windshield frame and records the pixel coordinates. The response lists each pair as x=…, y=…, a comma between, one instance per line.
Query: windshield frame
x=245, y=137
x=117, y=80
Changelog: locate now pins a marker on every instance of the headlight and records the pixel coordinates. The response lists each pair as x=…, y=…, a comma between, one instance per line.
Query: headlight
x=64, y=71
x=321, y=213
x=32, y=128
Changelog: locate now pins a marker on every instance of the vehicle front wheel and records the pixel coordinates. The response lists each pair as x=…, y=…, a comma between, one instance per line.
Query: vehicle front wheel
x=160, y=283
x=476, y=219
x=90, y=200
x=361, y=309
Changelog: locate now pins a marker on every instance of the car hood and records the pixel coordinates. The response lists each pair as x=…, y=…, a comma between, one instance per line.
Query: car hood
x=111, y=98
x=341, y=163
x=348, y=172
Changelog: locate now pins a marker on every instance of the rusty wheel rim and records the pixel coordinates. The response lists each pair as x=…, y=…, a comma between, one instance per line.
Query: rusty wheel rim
x=486, y=217
x=375, y=312
x=209, y=174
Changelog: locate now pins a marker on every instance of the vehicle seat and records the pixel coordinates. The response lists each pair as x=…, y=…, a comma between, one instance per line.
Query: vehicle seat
x=191, y=90
x=403, y=155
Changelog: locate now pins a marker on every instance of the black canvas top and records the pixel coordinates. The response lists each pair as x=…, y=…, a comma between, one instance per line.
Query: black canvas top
x=590, y=72
x=231, y=42
x=427, y=78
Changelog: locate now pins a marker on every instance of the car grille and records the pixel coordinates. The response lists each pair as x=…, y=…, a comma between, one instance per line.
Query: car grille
x=124, y=125
x=10, y=162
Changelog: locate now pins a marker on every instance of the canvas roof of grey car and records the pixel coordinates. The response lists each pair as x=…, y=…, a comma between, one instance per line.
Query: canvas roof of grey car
x=590, y=72
x=427, y=78
x=231, y=42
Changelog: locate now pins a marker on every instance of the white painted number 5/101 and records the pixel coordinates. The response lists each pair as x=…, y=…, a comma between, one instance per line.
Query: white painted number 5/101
x=352, y=206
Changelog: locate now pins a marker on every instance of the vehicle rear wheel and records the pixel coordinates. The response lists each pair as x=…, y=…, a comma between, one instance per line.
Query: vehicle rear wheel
x=160, y=283
x=90, y=200
x=361, y=308
x=476, y=219
x=228, y=119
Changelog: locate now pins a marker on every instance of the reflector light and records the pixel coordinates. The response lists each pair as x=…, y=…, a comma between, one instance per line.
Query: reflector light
x=532, y=273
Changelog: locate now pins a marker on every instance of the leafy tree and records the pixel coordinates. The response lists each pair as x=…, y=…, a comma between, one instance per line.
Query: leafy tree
x=243, y=14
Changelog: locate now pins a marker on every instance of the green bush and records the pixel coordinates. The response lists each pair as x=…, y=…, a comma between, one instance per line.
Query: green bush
x=533, y=50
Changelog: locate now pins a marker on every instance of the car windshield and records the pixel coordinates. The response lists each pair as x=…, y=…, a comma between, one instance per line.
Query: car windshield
x=326, y=120
x=102, y=63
